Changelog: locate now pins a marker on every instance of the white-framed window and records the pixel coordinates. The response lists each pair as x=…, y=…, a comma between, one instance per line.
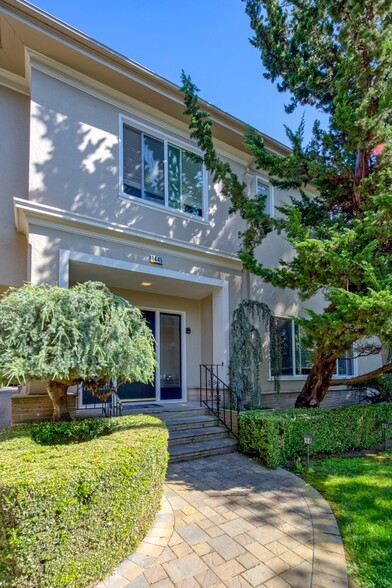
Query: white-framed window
x=297, y=359
x=263, y=188
x=161, y=171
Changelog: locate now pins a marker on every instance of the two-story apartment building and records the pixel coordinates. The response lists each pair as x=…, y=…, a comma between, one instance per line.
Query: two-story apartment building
x=100, y=181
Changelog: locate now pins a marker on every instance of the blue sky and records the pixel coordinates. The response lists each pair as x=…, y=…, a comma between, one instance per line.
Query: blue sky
x=209, y=39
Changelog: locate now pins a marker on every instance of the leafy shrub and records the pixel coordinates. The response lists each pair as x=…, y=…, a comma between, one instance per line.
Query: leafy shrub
x=77, y=430
x=70, y=513
x=68, y=431
x=383, y=384
x=277, y=436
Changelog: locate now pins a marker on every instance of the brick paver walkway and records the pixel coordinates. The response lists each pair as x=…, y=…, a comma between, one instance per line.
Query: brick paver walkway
x=226, y=521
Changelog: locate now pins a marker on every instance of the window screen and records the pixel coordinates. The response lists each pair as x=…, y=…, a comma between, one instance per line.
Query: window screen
x=154, y=178
x=132, y=183
x=286, y=348
x=192, y=183
x=264, y=190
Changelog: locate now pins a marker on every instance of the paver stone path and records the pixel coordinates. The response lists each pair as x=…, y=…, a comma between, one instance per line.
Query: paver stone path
x=227, y=521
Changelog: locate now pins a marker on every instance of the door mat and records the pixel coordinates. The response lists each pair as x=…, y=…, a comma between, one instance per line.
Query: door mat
x=132, y=403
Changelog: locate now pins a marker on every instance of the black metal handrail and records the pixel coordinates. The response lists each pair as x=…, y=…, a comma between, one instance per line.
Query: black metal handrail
x=111, y=406
x=218, y=396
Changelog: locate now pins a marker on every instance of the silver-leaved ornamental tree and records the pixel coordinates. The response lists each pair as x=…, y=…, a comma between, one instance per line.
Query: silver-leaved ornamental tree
x=67, y=336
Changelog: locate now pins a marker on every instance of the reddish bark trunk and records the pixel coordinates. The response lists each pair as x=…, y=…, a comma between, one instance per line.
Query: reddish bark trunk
x=58, y=395
x=361, y=171
x=363, y=377
x=317, y=383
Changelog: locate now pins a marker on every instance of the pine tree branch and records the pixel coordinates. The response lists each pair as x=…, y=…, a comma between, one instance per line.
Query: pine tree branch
x=363, y=377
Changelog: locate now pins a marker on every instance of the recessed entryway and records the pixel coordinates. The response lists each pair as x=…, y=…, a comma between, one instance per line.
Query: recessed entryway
x=187, y=312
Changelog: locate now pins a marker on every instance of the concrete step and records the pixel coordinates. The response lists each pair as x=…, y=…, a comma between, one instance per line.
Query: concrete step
x=202, y=449
x=193, y=431
x=190, y=422
x=166, y=413
x=196, y=435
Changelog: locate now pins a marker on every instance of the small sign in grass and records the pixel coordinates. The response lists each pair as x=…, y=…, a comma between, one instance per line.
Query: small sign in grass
x=359, y=489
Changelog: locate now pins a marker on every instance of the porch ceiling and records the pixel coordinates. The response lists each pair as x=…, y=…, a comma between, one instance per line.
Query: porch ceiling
x=132, y=280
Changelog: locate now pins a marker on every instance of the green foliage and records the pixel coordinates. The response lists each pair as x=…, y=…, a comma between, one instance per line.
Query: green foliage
x=247, y=350
x=72, y=431
x=360, y=492
x=381, y=383
x=70, y=513
x=335, y=55
x=69, y=335
x=277, y=436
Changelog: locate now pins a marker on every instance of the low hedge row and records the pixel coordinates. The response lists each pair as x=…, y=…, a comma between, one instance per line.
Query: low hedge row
x=70, y=512
x=277, y=436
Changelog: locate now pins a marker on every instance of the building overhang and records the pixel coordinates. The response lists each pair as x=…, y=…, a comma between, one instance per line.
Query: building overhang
x=29, y=213
x=78, y=267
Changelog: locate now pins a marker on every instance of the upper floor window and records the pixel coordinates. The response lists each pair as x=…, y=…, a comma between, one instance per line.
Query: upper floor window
x=264, y=189
x=297, y=358
x=162, y=172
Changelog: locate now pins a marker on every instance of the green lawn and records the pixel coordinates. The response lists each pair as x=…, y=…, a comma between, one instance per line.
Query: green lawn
x=359, y=489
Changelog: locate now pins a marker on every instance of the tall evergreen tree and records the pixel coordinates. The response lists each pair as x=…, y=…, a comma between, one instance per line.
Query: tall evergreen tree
x=335, y=55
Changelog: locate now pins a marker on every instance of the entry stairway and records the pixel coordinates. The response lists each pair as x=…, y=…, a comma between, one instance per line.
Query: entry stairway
x=193, y=431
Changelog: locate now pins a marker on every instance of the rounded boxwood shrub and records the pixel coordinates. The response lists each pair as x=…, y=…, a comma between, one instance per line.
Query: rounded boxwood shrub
x=71, y=511
x=276, y=436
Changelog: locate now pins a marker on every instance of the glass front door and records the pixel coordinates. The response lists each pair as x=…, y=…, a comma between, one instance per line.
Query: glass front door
x=166, y=329
x=138, y=391
x=170, y=356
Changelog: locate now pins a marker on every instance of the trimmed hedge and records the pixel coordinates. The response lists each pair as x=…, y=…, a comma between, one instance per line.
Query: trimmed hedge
x=277, y=436
x=69, y=513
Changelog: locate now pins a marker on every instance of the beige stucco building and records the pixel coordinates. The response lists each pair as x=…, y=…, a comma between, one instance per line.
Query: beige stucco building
x=100, y=181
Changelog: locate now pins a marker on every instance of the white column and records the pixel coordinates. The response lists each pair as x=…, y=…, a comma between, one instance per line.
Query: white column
x=221, y=326
x=64, y=268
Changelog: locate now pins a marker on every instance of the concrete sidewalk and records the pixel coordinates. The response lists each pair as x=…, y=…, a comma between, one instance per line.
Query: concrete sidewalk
x=226, y=521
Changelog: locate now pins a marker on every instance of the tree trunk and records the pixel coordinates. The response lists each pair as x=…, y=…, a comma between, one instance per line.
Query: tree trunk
x=58, y=395
x=385, y=369
x=317, y=383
